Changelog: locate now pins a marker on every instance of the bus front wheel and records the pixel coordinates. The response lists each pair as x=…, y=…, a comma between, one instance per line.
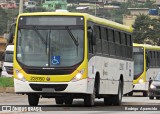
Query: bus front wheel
x=89, y=99
x=33, y=99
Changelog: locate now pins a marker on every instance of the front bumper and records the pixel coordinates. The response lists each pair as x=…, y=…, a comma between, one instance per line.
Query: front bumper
x=140, y=87
x=154, y=92
x=50, y=87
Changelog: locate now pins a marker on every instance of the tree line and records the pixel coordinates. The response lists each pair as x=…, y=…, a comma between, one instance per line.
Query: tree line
x=146, y=30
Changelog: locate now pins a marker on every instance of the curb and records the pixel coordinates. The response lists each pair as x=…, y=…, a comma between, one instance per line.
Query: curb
x=6, y=89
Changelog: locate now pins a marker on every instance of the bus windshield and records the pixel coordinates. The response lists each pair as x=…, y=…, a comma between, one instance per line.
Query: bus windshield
x=138, y=62
x=50, y=46
x=9, y=56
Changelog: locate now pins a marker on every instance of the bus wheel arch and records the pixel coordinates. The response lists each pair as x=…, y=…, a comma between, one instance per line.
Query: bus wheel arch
x=89, y=99
x=97, y=83
x=122, y=82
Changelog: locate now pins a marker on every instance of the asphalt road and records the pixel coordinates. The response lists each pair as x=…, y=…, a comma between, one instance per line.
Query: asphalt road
x=131, y=104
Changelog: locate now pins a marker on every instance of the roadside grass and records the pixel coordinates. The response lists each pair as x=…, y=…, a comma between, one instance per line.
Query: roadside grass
x=6, y=82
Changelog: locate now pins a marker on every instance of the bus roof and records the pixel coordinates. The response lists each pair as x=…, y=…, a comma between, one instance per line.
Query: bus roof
x=147, y=46
x=92, y=18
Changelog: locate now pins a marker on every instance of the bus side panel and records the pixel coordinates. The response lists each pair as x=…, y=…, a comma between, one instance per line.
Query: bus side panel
x=110, y=70
x=152, y=72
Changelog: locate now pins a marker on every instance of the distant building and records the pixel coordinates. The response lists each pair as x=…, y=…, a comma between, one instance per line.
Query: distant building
x=30, y=4
x=157, y=3
x=137, y=11
x=8, y=4
x=55, y=4
x=130, y=19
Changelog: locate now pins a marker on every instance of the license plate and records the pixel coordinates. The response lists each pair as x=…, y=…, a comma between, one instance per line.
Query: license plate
x=37, y=79
x=48, y=89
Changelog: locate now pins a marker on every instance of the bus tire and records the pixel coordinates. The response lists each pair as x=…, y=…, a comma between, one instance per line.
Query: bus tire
x=59, y=100
x=68, y=100
x=117, y=99
x=89, y=99
x=33, y=99
x=108, y=101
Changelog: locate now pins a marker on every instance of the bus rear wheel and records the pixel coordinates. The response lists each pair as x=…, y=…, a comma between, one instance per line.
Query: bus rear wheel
x=108, y=101
x=68, y=100
x=117, y=99
x=33, y=99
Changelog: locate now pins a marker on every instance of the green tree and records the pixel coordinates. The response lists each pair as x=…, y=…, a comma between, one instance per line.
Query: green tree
x=141, y=28
x=146, y=30
x=3, y=21
x=154, y=31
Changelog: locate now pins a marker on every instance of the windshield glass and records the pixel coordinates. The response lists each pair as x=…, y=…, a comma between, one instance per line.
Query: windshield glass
x=50, y=47
x=138, y=64
x=9, y=56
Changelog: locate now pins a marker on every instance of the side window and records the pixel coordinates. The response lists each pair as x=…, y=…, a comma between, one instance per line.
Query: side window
x=123, y=41
x=117, y=43
x=111, y=42
x=129, y=46
x=104, y=40
x=90, y=46
x=123, y=44
x=153, y=57
x=158, y=58
x=98, y=39
x=110, y=35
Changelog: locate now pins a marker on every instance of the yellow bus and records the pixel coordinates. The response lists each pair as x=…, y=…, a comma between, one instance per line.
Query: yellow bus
x=65, y=55
x=146, y=66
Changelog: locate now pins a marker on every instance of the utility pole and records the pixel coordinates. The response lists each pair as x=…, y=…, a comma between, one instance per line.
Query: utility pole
x=95, y=8
x=21, y=6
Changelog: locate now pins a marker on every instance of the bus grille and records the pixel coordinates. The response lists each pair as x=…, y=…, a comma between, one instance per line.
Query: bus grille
x=9, y=69
x=57, y=87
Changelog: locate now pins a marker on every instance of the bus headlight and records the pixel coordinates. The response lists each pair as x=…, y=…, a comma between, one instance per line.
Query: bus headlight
x=20, y=76
x=141, y=81
x=152, y=86
x=78, y=76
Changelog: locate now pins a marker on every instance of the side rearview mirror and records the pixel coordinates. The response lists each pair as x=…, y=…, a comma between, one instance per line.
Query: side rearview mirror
x=147, y=61
x=11, y=35
x=91, y=35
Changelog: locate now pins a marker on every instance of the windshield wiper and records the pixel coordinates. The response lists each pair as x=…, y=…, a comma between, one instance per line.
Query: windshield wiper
x=72, y=36
x=40, y=36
